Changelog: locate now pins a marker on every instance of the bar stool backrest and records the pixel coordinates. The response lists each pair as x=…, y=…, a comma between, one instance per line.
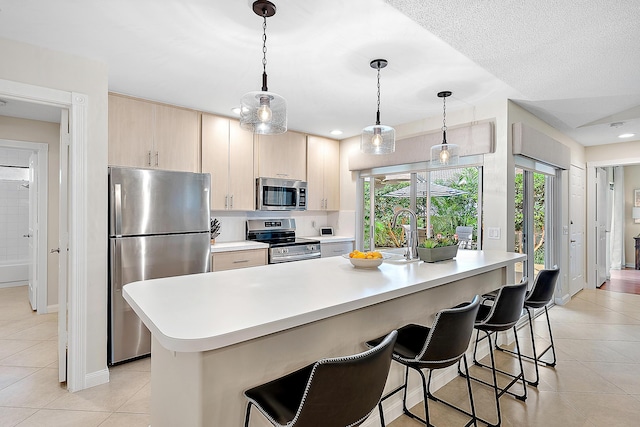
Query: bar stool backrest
x=506, y=309
x=543, y=288
x=342, y=391
x=449, y=336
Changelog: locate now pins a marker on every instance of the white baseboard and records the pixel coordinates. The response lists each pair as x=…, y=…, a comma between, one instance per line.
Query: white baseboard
x=13, y=284
x=562, y=300
x=93, y=379
x=53, y=308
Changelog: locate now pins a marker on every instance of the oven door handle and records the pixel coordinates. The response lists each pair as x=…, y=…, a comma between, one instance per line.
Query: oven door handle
x=289, y=258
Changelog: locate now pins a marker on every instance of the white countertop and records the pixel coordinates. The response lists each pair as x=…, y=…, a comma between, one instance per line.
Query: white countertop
x=207, y=311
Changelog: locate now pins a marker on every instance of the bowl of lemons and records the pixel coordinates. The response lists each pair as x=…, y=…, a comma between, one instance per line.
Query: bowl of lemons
x=360, y=259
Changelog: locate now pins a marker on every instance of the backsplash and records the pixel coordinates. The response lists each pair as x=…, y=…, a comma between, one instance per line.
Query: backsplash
x=233, y=224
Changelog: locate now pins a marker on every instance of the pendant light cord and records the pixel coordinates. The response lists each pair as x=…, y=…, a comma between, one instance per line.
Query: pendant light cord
x=264, y=52
x=444, y=120
x=378, y=112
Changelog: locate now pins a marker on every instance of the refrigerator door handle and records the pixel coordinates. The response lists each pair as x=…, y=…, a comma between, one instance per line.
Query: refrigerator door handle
x=116, y=273
x=117, y=189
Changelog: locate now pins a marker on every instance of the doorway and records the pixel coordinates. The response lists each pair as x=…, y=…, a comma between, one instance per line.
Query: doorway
x=71, y=336
x=535, y=213
x=24, y=218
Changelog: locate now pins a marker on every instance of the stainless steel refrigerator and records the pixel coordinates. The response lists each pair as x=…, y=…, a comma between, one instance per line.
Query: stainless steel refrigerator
x=158, y=227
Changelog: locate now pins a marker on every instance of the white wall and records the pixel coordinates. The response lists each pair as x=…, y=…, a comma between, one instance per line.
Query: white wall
x=33, y=65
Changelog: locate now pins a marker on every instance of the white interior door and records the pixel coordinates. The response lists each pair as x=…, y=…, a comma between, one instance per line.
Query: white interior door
x=32, y=234
x=576, y=230
x=63, y=247
x=602, y=187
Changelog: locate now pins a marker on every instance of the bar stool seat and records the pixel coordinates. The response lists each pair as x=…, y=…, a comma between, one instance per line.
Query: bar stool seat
x=339, y=391
x=442, y=345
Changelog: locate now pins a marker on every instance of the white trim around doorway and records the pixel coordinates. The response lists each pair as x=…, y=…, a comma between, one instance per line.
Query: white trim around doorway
x=77, y=104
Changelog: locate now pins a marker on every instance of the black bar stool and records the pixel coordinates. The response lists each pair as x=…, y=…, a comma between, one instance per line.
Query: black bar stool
x=544, y=286
x=341, y=391
x=500, y=316
x=442, y=345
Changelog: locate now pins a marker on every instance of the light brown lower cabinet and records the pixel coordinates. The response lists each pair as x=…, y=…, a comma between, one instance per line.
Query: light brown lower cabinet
x=238, y=259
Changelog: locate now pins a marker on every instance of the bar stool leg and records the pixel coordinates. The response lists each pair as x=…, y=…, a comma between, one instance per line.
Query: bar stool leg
x=473, y=408
x=246, y=420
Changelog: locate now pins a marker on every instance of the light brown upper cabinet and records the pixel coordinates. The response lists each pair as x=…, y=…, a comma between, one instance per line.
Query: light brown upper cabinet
x=227, y=154
x=323, y=173
x=150, y=135
x=282, y=156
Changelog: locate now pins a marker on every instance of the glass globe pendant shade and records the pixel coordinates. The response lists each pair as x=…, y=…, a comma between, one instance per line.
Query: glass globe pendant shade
x=444, y=155
x=263, y=113
x=378, y=139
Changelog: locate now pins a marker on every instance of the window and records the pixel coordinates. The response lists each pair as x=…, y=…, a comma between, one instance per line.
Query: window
x=444, y=201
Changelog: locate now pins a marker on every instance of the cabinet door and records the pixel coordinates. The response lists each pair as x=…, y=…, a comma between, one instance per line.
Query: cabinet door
x=323, y=173
x=215, y=158
x=332, y=174
x=176, y=139
x=283, y=156
x=130, y=132
x=241, y=181
x=238, y=259
x=315, y=173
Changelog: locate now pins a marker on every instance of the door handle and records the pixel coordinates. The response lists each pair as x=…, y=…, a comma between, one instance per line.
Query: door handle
x=26, y=235
x=54, y=250
x=572, y=241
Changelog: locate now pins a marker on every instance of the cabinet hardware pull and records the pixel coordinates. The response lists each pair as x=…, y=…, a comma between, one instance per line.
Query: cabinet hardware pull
x=226, y=201
x=156, y=158
x=148, y=158
x=231, y=202
x=240, y=261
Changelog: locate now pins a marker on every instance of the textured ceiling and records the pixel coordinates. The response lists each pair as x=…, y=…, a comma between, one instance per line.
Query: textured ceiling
x=574, y=64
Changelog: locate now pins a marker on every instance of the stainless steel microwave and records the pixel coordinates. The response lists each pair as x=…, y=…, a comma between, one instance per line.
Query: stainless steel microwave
x=275, y=194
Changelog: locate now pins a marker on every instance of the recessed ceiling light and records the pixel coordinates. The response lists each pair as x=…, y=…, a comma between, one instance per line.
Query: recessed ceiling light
x=626, y=135
x=336, y=132
x=236, y=110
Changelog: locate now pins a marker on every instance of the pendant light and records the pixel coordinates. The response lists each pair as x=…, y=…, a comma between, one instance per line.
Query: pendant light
x=444, y=154
x=263, y=112
x=378, y=139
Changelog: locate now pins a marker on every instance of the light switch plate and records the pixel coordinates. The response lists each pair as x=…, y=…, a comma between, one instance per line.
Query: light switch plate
x=493, y=233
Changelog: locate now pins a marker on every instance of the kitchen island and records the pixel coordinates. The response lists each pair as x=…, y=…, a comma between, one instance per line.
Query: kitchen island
x=217, y=334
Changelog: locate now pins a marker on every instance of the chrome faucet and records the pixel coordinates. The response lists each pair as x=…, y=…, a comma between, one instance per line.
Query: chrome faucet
x=412, y=238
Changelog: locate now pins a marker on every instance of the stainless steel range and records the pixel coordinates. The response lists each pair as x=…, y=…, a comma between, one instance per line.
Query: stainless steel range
x=280, y=234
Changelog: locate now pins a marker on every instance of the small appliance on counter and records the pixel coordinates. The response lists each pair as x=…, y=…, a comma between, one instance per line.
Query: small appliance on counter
x=326, y=231
x=280, y=234
x=158, y=227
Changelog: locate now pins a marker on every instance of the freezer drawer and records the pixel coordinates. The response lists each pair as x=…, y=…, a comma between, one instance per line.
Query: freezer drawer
x=143, y=258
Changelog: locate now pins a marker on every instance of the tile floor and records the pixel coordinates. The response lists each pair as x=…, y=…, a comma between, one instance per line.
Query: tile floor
x=595, y=383
x=30, y=394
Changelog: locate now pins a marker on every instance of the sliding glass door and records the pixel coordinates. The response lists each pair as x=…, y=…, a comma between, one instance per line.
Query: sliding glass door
x=534, y=219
